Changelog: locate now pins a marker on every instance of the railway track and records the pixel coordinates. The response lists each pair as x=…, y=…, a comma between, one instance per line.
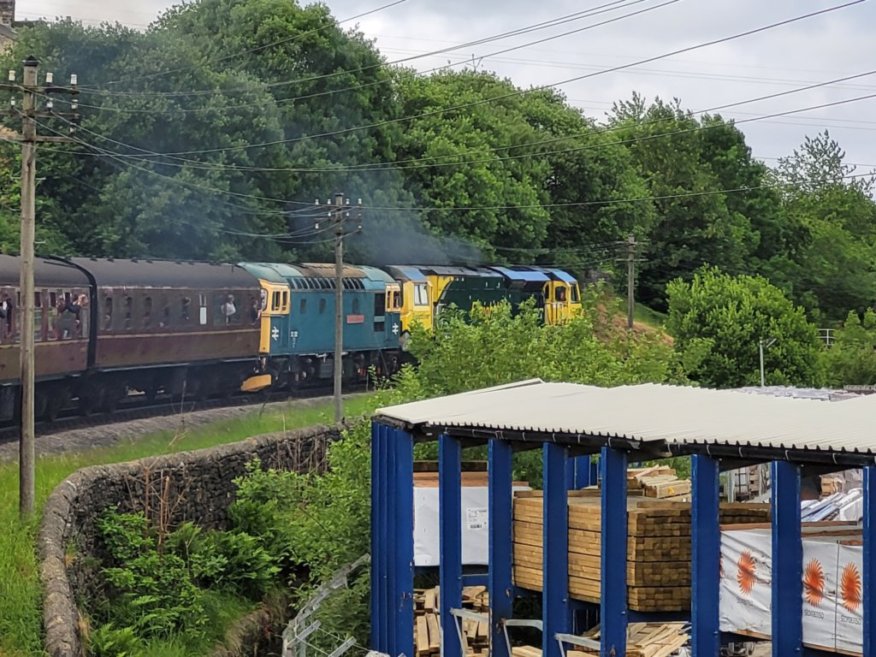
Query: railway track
x=136, y=407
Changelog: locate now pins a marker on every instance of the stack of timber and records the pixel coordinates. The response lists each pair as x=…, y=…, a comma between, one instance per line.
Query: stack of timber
x=658, y=547
x=427, y=621
x=643, y=640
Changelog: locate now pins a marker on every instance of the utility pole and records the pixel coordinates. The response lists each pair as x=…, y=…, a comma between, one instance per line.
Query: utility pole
x=339, y=214
x=631, y=246
x=30, y=90
x=761, y=345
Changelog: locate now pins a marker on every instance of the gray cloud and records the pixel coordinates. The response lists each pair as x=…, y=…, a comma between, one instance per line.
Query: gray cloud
x=816, y=50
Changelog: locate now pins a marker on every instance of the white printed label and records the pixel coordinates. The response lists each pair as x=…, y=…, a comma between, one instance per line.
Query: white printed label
x=476, y=518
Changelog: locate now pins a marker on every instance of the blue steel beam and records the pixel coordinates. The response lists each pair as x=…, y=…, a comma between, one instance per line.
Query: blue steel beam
x=556, y=615
x=582, y=470
x=391, y=491
x=378, y=548
x=869, y=575
x=450, y=540
x=403, y=526
x=613, y=556
x=706, y=557
x=787, y=558
x=499, y=516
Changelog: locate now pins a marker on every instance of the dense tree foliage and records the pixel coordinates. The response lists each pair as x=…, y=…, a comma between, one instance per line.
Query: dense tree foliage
x=851, y=359
x=719, y=320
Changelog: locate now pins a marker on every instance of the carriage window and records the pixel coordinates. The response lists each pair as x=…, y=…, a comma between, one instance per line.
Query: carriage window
x=302, y=306
x=8, y=321
x=52, y=307
x=147, y=312
x=129, y=313
x=38, y=317
x=185, y=314
x=421, y=294
x=165, y=315
x=202, y=314
x=321, y=306
x=226, y=310
x=107, y=313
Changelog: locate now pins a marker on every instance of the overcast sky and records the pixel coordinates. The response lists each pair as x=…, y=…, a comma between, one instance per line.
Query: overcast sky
x=819, y=49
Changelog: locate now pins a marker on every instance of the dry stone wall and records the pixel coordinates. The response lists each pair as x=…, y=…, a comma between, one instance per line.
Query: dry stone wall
x=196, y=486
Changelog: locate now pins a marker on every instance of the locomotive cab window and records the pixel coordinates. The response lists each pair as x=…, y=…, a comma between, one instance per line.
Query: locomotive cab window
x=575, y=296
x=421, y=294
x=560, y=293
x=275, y=302
x=379, y=312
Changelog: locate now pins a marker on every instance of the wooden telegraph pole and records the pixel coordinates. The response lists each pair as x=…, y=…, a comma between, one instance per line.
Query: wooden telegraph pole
x=339, y=215
x=30, y=91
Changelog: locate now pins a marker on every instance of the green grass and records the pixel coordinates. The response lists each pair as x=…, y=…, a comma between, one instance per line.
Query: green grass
x=20, y=597
x=646, y=315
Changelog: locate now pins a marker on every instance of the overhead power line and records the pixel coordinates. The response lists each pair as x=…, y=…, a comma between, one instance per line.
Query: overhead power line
x=291, y=39
x=613, y=5
x=705, y=44
x=455, y=161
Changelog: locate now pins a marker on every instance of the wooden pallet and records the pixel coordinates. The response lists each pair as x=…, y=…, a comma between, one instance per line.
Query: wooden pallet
x=643, y=640
x=427, y=623
x=658, y=546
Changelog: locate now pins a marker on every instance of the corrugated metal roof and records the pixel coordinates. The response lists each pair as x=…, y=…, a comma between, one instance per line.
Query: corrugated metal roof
x=650, y=415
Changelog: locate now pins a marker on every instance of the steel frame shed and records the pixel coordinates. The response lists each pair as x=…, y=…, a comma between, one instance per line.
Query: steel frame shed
x=719, y=429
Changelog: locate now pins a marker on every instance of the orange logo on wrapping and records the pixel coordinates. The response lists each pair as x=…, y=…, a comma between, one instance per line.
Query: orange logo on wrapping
x=746, y=572
x=851, y=587
x=813, y=583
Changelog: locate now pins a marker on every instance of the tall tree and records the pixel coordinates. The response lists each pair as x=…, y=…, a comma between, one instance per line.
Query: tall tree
x=718, y=321
x=834, y=267
x=696, y=224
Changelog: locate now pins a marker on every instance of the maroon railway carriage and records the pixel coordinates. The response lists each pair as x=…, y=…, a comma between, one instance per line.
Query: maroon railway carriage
x=61, y=341
x=107, y=327
x=174, y=327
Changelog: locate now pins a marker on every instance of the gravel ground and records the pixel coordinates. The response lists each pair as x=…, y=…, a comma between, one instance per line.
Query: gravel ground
x=79, y=440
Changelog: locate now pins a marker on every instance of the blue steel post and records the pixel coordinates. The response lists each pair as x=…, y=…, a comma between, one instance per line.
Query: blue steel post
x=706, y=553
x=391, y=492
x=500, y=558
x=787, y=558
x=378, y=548
x=450, y=539
x=582, y=477
x=613, y=556
x=556, y=615
x=869, y=583
x=403, y=527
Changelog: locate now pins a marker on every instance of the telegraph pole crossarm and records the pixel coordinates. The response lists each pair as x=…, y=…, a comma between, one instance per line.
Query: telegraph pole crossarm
x=30, y=90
